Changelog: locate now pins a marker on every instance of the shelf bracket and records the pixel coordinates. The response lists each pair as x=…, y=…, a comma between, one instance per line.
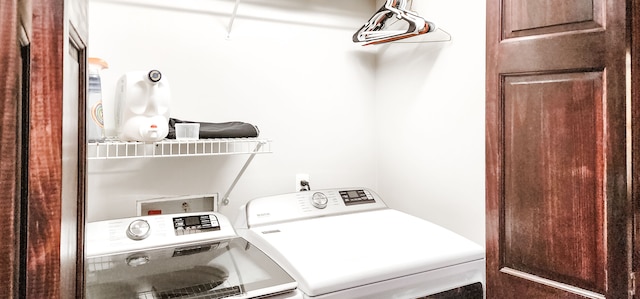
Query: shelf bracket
x=225, y=198
x=233, y=17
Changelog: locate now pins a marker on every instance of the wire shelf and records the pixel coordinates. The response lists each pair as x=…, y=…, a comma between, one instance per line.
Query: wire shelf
x=177, y=148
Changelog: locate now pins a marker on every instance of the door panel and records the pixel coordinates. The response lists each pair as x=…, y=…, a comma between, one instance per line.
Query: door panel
x=558, y=203
x=536, y=17
x=553, y=53
x=553, y=178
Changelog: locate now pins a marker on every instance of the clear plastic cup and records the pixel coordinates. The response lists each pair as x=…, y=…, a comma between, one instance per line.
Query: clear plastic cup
x=187, y=131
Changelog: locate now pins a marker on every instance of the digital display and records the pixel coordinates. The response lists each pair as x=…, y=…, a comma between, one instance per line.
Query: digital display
x=195, y=224
x=191, y=221
x=356, y=197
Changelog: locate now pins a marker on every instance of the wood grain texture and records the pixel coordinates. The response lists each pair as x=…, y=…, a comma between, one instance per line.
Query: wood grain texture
x=45, y=150
x=553, y=199
x=537, y=17
x=73, y=166
x=10, y=67
x=558, y=201
x=531, y=14
x=635, y=137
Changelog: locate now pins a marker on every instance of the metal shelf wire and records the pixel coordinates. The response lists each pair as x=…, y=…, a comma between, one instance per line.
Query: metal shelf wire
x=182, y=148
x=177, y=148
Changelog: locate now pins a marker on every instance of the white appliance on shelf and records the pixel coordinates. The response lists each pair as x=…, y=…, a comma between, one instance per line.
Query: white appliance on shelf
x=189, y=255
x=346, y=243
x=142, y=106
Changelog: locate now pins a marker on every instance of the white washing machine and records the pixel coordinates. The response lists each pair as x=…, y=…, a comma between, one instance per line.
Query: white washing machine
x=191, y=255
x=346, y=243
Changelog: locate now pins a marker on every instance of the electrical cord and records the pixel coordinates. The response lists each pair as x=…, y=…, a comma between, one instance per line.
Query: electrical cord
x=305, y=186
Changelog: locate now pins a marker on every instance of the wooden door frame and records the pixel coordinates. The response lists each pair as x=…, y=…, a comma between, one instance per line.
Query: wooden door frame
x=55, y=267
x=634, y=80
x=10, y=93
x=43, y=219
x=78, y=44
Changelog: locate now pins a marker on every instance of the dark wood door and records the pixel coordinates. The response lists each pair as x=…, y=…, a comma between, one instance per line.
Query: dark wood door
x=42, y=132
x=10, y=152
x=559, y=206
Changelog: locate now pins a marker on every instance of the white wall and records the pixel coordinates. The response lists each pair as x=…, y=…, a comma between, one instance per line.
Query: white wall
x=406, y=120
x=430, y=120
x=289, y=67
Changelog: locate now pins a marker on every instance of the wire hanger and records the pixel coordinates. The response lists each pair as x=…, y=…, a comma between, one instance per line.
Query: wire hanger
x=376, y=31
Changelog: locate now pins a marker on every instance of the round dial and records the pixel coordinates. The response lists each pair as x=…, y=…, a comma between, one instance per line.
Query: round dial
x=138, y=229
x=319, y=200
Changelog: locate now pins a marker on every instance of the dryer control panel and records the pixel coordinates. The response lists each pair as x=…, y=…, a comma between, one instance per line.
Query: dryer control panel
x=354, y=197
x=308, y=204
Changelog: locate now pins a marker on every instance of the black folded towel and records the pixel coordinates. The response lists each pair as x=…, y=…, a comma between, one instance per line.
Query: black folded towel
x=233, y=129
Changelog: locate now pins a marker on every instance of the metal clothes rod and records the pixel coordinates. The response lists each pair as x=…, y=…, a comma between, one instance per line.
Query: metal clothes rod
x=233, y=17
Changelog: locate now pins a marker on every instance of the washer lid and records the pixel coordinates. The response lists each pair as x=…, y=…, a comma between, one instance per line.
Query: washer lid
x=334, y=253
x=215, y=269
x=172, y=255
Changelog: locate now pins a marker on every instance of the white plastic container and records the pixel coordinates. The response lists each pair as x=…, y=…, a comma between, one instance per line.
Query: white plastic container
x=142, y=106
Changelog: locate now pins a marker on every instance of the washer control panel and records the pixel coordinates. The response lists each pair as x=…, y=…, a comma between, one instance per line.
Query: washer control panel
x=136, y=233
x=195, y=224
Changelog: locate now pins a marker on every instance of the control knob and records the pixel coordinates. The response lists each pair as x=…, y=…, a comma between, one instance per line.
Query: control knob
x=138, y=230
x=319, y=200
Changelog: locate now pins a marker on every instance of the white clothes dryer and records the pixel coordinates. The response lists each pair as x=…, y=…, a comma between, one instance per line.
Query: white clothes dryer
x=346, y=243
